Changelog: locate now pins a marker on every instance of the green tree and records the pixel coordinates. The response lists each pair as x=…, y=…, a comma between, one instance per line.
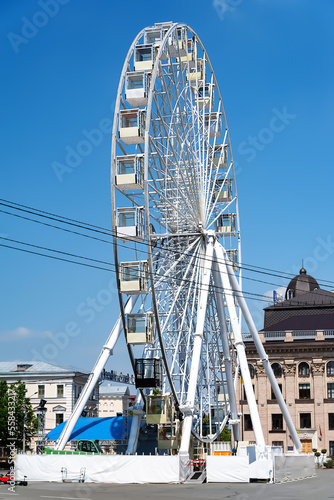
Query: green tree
x=13, y=405
x=205, y=420
x=225, y=435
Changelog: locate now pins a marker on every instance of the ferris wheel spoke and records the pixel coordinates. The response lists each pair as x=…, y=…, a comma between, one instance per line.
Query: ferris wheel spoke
x=213, y=169
x=191, y=212
x=184, y=135
x=178, y=261
x=175, y=155
x=191, y=326
x=185, y=132
x=179, y=289
x=208, y=217
x=185, y=305
x=210, y=224
x=164, y=200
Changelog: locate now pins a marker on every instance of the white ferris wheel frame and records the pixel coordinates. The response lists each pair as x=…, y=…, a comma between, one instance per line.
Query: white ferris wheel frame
x=214, y=265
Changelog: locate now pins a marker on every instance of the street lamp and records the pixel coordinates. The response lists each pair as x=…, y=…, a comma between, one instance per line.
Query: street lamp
x=41, y=411
x=24, y=423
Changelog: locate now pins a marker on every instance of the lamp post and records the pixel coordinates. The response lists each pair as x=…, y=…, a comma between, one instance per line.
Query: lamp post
x=41, y=411
x=24, y=423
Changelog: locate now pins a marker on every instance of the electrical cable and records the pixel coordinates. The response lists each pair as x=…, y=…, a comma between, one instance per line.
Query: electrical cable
x=109, y=232
x=127, y=247
x=162, y=277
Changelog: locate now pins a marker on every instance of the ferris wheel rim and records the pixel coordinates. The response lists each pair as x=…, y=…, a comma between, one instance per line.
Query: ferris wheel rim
x=149, y=233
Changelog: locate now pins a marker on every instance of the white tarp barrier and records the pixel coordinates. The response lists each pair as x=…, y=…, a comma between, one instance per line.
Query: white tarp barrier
x=292, y=467
x=221, y=469
x=261, y=469
x=99, y=468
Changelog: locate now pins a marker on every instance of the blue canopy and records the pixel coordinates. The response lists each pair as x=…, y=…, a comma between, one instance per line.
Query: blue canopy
x=88, y=428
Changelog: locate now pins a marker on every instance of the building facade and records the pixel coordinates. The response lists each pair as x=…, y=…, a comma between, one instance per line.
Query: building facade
x=59, y=387
x=114, y=400
x=298, y=337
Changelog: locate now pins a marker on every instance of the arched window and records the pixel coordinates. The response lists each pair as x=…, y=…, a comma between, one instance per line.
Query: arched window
x=330, y=369
x=251, y=370
x=277, y=369
x=303, y=369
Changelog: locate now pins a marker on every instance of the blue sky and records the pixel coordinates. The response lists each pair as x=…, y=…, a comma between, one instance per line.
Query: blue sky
x=60, y=69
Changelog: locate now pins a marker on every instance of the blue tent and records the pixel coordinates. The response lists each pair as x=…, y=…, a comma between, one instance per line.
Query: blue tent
x=87, y=428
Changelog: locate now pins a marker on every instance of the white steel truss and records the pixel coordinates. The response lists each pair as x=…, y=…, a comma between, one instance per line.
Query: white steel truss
x=180, y=221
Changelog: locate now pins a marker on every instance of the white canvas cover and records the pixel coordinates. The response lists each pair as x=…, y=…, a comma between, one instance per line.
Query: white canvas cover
x=222, y=469
x=292, y=467
x=261, y=469
x=99, y=468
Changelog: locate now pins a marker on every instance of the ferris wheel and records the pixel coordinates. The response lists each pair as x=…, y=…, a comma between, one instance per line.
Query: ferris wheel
x=173, y=197
x=176, y=237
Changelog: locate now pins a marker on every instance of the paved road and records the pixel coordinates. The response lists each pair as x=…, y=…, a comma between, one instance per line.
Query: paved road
x=318, y=488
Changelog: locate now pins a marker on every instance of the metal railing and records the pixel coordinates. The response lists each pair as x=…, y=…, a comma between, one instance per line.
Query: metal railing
x=296, y=335
x=304, y=334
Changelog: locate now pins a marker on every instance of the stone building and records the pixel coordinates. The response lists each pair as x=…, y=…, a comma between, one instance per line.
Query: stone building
x=113, y=400
x=59, y=387
x=298, y=337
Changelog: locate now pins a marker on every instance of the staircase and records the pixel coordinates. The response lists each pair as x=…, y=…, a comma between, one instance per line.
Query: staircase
x=197, y=477
x=198, y=473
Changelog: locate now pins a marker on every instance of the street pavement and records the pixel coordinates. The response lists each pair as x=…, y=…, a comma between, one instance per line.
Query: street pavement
x=320, y=487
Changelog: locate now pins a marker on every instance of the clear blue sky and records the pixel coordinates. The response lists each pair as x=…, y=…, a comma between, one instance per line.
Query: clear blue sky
x=59, y=78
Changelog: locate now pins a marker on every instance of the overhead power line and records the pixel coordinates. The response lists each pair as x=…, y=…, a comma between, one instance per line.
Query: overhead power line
x=109, y=232
x=119, y=244
x=165, y=279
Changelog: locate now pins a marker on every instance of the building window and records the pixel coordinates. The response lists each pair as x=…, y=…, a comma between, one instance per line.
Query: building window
x=305, y=420
x=277, y=369
x=244, y=391
x=330, y=391
x=59, y=418
x=278, y=443
x=251, y=370
x=41, y=391
x=303, y=369
x=331, y=448
x=331, y=421
x=248, y=423
x=330, y=369
x=272, y=392
x=277, y=422
x=60, y=391
x=304, y=391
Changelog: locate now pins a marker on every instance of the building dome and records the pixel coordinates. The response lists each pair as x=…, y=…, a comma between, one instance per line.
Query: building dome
x=302, y=283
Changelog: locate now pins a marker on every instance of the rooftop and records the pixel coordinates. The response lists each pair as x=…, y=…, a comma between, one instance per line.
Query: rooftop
x=316, y=297
x=33, y=367
x=301, y=284
x=113, y=390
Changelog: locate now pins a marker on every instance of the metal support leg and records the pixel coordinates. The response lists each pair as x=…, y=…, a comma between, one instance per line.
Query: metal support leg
x=94, y=376
x=239, y=345
x=135, y=425
x=226, y=351
x=206, y=262
x=262, y=354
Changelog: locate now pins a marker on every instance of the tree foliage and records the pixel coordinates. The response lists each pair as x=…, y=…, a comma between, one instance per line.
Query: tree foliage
x=13, y=401
x=225, y=435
